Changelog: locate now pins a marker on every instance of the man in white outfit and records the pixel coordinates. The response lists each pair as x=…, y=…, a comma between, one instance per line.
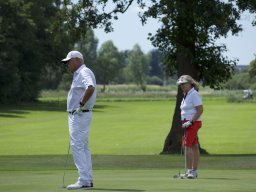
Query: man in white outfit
x=80, y=102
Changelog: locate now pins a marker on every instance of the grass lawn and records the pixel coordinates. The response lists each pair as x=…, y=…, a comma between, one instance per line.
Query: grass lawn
x=126, y=137
x=129, y=173
x=136, y=181
x=125, y=128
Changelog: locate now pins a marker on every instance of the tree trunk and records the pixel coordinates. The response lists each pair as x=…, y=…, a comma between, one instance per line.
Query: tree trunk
x=185, y=44
x=103, y=88
x=173, y=141
x=174, y=138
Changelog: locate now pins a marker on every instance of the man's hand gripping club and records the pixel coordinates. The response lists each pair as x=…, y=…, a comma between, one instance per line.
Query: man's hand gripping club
x=79, y=111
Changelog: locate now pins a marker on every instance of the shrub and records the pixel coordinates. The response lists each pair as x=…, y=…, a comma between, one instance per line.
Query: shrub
x=234, y=99
x=154, y=80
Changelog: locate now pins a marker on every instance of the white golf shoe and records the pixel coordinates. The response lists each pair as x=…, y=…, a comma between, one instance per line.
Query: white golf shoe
x=192, y=174
x=79, y=186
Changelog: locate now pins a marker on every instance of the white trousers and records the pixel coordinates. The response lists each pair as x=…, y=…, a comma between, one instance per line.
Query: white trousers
x=79, y=126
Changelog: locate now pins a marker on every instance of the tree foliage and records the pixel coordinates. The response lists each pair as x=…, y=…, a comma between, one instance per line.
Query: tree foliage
x=155, y=63
x=108, y=63
x=239, y=81
x=87, y=45
x=28, y=49
x=18, y=62
x=188, y=34
x=247, y=5
x=139, y=66
x=187, y=38
x=252, y=68
x=81, y=15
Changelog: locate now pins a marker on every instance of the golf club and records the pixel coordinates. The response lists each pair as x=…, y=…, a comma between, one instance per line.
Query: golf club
x=65, y=168
x=185, y=149
x=179, y=175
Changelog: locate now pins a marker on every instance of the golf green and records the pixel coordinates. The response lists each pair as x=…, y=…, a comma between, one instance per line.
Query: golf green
x=131, y=180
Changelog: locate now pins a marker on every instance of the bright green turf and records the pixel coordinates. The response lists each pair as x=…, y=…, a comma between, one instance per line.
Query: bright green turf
x=129, y=173
x=137, y=127
x=229, y=128
x=34, y=141
x=130, y=127
x=117, y=128
x=133, y=180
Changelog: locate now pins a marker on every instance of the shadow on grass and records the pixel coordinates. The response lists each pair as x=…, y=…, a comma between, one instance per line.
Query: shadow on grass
x=12, y=113
x=19, y=110
x=11, y=116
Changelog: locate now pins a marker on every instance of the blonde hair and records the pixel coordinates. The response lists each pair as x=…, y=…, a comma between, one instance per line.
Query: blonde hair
x=188, y=79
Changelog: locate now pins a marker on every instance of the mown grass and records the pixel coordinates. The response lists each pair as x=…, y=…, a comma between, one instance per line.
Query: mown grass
x=127, y=134
x=126, y=162
x=135, y=180
x=125, y=127
x=129, y=173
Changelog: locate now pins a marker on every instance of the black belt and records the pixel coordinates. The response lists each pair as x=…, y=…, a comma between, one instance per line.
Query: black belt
x=84, y=111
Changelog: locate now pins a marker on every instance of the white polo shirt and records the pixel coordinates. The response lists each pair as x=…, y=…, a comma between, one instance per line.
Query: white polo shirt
x=83, y=77
x=189, y=103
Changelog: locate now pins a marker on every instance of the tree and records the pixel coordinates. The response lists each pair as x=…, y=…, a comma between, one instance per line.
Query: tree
x=9, y=73
x=187, y=39
x=239, y=82
x=155, y=63
x=124, y=76
x=18, y=39
x=249, y=5
x=252, y=68
x=49, y=49
x=28, y=48
x=34, y=35
x=156, y=74
x=139, y=66
x=81, y=15
x=108, y=63
x=87, y=45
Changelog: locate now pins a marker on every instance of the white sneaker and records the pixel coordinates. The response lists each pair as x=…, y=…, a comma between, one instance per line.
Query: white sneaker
x=192, y=174
x=78, y=186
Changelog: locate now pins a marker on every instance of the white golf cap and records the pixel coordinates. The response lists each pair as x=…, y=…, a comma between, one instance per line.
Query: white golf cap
x=184, y=79
x=72, y=54
x=188, y=79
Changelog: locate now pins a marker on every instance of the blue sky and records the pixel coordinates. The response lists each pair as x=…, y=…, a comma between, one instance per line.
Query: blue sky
x=128, y=31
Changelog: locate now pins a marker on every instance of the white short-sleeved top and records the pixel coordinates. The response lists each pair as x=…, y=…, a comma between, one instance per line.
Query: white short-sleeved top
x=189, y=103
x=83, y=77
